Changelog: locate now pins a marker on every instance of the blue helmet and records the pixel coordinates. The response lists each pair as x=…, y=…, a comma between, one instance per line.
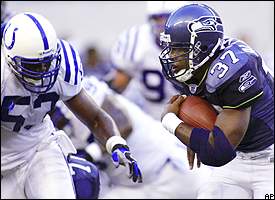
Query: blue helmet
x=194, y=30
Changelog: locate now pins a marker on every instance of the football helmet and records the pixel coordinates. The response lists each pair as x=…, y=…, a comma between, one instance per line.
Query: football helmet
x=192, y=35
x=32, y=51
x=158, y=12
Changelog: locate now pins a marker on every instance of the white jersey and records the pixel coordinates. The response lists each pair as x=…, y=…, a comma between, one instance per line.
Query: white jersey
x=137, y=54
x=24, y=119
x=150, y=144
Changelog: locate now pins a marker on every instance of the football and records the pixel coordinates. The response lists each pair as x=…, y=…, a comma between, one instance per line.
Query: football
x=198, y=113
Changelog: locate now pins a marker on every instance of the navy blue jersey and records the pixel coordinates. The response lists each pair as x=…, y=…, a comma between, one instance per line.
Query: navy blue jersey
x=236, y=79
x=85, y=177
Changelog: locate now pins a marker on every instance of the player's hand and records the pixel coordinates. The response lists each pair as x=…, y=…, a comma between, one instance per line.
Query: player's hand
x=191, y=158
x=122, y=156
x=173, y=105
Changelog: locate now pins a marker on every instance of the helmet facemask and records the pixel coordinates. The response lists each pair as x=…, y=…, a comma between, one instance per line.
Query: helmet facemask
x=37, y=75
x=180, y=66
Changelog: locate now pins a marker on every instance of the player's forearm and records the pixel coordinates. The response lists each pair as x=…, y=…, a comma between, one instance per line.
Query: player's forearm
x=120, y=81
x=183, y=133
x=103, y=127
x=119, y=114
x=95, y=118
x=212, y=147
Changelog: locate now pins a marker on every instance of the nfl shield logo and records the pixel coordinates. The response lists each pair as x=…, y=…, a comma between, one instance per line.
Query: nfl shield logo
x=193, y=88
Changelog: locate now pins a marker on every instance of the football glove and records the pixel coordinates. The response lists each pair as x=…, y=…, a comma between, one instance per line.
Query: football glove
x=121, y=155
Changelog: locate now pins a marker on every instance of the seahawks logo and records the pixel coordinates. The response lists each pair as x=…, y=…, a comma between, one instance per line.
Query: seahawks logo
x=246, y=80
x=206, y=24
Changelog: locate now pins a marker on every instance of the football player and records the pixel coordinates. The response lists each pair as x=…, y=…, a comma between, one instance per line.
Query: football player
x=135, y=56
x=161, y=156
x=37, y=70
x=234, y=78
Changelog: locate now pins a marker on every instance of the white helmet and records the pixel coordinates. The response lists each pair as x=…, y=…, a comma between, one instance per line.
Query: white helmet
x=32, y=51
x=163, y=7
x=158, y=12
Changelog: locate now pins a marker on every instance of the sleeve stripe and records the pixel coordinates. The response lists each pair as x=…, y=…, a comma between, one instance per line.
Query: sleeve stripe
x=126, y=45
x=68, y=70
x=75, y=64
x=245, y=101
x=135, y=45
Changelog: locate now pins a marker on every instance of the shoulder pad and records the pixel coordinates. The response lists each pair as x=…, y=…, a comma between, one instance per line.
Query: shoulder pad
x=226, y=65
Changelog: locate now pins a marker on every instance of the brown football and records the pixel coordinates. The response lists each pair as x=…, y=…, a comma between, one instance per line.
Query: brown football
x=198, y=113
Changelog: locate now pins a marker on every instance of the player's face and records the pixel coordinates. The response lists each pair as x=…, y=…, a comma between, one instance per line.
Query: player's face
x=35, y=68
x=41, y=67
x=180, y=58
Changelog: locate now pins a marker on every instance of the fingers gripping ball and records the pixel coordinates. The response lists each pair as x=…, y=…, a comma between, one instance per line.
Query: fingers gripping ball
x=198, y=113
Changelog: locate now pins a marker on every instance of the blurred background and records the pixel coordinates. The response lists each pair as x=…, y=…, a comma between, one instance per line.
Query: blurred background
x=99, y=23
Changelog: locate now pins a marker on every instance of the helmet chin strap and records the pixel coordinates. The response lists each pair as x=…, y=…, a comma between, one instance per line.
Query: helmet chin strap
x=186, y=75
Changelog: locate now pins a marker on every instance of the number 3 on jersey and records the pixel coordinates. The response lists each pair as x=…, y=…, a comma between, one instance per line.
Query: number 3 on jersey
x=223, y=68
x=10, y=102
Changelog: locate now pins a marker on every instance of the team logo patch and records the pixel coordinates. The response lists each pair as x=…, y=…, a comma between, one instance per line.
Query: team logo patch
x=205, y=24
x=246, y=80
x=193, y=88
x=9, y=47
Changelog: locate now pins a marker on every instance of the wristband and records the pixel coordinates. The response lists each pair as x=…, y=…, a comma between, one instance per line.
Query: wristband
x=112, y=141
x=170, y=121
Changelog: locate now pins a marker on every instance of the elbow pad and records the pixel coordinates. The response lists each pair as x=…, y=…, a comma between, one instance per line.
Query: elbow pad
x=218, y=155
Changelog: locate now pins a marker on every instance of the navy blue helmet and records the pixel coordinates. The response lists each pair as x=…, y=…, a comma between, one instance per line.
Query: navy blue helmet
x=195, y=32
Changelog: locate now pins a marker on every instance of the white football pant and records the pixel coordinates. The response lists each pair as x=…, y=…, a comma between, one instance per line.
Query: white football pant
x=45, y=176
x=248, y=176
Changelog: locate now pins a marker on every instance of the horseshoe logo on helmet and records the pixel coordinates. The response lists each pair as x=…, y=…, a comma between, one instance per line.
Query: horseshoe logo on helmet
x=9, y=47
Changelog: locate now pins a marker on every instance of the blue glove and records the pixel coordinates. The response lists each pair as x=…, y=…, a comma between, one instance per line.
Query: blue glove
x=121, y=156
